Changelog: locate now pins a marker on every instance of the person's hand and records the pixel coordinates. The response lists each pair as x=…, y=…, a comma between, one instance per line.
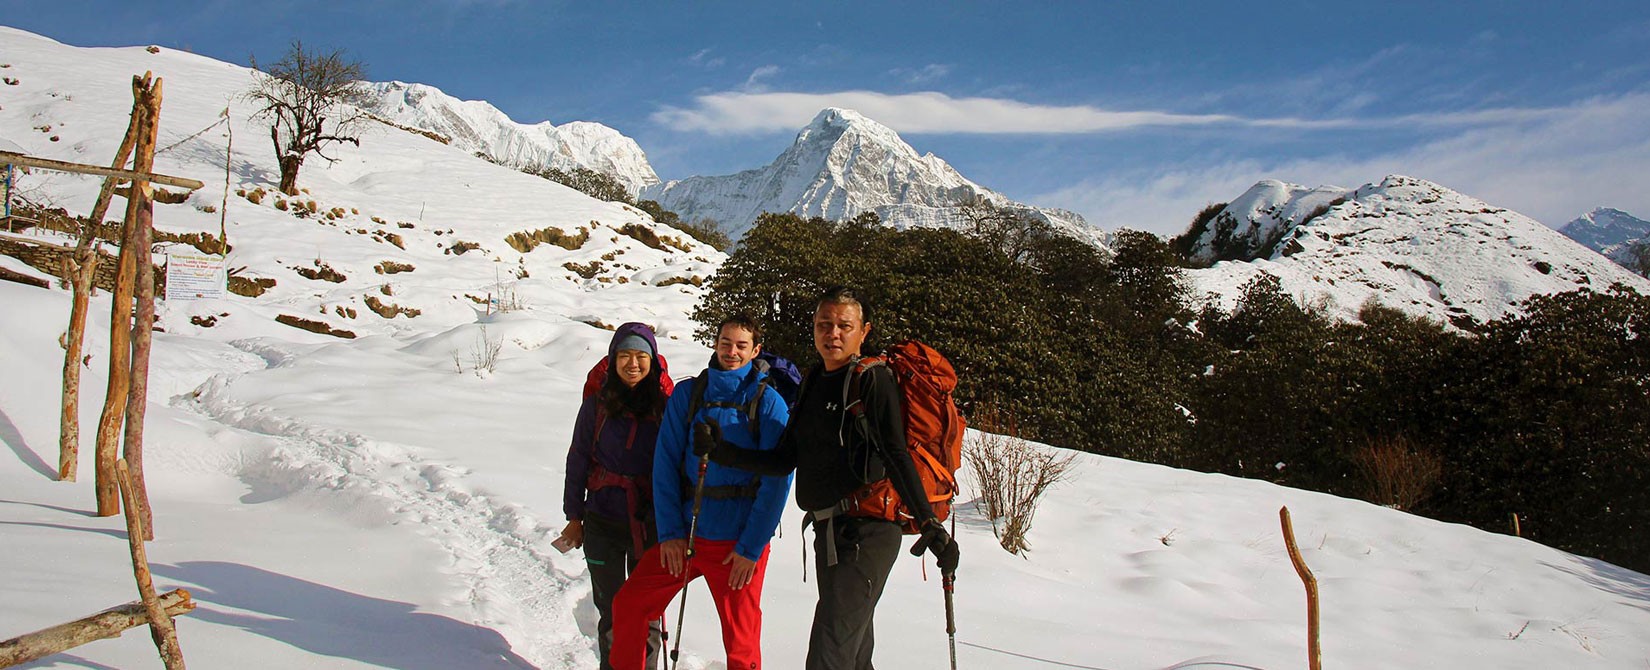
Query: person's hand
x=743, y=570
x=935, y=540
x=706, y=435
x=574, y=533
x=673, y=556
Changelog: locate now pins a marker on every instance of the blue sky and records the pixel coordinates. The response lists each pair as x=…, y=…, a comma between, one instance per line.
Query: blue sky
x=1131, y=113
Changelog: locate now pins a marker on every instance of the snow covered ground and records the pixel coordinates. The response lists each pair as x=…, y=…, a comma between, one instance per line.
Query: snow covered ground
x=379, y=502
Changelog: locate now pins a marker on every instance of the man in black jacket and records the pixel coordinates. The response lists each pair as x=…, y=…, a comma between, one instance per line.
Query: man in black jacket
x=833, y=459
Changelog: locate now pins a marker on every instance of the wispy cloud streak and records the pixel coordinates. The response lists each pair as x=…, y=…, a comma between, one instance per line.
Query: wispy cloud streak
x=755, y=111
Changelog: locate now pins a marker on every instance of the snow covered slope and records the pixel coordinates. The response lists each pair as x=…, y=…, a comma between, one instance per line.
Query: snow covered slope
x=1610, y=232
x=476, y=126
x=843, y=164
x=401, y=222
x=387, y=501
x=1404, y=242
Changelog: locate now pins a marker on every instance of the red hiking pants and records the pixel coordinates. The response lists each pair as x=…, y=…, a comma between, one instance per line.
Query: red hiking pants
x=649, y=590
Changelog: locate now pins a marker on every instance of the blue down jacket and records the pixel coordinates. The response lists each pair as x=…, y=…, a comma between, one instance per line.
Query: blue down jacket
x=750, y=520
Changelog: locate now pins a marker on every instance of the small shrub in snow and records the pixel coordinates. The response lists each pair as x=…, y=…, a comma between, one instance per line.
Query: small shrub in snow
x=1012, y=475
x=392, y=267
x=1397, y=473
x=484, y=354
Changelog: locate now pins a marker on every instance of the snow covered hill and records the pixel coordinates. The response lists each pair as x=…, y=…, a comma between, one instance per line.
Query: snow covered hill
x=388, y=500
x=1611, y=232
x=1404, y=242
x=476, y=126
x=843, y=164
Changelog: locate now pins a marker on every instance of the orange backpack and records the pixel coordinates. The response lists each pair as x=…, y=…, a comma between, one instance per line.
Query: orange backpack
x=933, y=431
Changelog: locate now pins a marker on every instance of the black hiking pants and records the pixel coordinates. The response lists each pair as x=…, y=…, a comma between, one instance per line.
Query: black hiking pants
x=843, y=632
x=610, y=552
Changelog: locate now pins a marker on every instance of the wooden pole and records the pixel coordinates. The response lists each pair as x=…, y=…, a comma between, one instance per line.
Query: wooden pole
x=109, y=623
x=160, y=625
x=82, y=168
x=80, y=273
x=1314, y=654
x=120, y=330
x=137, y=399
x=126, y=144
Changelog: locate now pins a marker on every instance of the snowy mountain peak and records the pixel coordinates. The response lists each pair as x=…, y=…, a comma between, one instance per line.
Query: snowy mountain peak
x=1605, y=227
x=841, y=165
x=478, y=127
x=1405, y=242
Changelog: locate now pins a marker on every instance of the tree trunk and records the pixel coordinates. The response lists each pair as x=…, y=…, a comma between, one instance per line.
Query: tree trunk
x=160, y=625
x=107, y=624
x=137, y=399
x=289, y=173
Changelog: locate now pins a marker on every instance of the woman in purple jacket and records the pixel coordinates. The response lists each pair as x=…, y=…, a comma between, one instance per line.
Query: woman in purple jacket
x=609, y=491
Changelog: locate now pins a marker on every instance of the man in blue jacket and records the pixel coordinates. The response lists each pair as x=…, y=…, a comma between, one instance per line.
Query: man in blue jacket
x=738, y=511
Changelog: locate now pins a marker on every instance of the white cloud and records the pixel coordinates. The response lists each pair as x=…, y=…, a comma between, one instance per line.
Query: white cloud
x=1551, y=165
x=703, y=58
x=921, y=75
x=753, y=83
x=754, y=110
x=927, y=112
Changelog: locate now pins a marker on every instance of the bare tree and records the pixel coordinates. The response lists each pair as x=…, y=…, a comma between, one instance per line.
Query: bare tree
x=312, y=99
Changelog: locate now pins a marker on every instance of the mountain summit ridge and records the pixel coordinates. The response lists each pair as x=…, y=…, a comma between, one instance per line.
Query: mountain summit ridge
x=840, y=165
x=479, y=127
x=1404, y=242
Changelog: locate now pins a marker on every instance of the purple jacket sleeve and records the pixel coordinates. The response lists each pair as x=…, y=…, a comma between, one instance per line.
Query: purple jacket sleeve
x=579, y=455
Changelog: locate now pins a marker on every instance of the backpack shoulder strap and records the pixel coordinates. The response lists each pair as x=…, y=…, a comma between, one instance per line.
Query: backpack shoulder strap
x=696, y=399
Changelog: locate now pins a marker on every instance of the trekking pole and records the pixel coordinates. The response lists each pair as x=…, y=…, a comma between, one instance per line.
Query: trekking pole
x=948, y=581
x=693, y=529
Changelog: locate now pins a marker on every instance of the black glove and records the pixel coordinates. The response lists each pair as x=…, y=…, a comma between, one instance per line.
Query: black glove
x=938, y=542
x=706, y=435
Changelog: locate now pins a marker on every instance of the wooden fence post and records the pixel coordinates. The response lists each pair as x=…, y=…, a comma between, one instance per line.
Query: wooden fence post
x=107, y=624
x=1313, y=651
x=81, y=274
x=137, y=399
x=160, y=625
x=120, y=329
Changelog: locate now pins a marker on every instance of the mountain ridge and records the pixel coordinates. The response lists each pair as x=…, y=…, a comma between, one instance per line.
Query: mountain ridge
x=843, y=164
x=1404, y=242
x=479, y=127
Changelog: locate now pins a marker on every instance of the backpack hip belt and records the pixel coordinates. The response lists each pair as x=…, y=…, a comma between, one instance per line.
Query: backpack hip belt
x=633, y=486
